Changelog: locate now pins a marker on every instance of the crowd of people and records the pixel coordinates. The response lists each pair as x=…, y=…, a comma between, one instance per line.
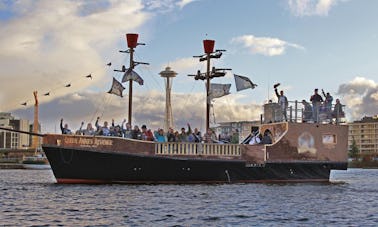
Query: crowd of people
x=319, y=109
x=143, y=133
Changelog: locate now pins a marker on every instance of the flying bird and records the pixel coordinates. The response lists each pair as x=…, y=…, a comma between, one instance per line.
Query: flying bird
x=109, y=64
x=24, y=104
x=89, y=76
x=68, y=85
x=47, y=94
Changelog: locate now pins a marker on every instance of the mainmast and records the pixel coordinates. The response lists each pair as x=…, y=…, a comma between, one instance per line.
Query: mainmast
x=209, y=53
x=132, y=43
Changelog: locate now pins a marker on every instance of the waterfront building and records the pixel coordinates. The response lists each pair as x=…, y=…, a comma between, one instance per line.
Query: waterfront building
x=365, y=133
x=13, y=140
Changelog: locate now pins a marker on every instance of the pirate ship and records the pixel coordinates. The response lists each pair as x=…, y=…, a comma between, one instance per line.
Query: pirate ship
x=299, y=152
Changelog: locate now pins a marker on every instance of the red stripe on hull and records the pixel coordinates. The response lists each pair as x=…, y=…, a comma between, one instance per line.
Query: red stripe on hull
x=92, y=181
x=81, y=181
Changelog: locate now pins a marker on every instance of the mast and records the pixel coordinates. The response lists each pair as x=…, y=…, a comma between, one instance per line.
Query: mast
x=209, y=74
x=168, y=74
x=132, y=43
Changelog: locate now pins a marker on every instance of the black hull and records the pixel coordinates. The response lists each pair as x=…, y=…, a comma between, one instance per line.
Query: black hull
x=83, y=166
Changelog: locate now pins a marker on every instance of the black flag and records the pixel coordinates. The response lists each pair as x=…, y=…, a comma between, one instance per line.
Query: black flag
x=116, y=88
x=243, y=82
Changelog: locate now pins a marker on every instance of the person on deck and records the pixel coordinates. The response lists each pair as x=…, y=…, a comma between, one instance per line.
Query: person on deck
x=136, y=133
x=338, y=111
x=282, y=101
x=210, y=136
x=171, y=135
x=316, y=100
x=197, y=136
x=307, y=111
x=267, y=138
x=235, y=137
x=89, y=131
x=102, y=130
x=126, y=131
x=147, y=134
x=328, y=103
x=159, y=135
x=65, y=129
x=183, y=136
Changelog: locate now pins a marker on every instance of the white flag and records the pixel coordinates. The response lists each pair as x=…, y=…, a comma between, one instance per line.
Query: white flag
x=132, y=75
x=219, y=90
x=117, y=88
x=243, y=82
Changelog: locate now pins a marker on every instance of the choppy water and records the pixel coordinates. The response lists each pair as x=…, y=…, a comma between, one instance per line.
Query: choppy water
x=31, y=198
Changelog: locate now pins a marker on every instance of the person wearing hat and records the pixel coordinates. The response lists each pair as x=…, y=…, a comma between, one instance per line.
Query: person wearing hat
x=282, y=101
x=316, y=100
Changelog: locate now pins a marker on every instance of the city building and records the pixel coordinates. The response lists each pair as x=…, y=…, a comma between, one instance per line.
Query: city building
x=365, y=133
x=13, y=140
x=225, y=129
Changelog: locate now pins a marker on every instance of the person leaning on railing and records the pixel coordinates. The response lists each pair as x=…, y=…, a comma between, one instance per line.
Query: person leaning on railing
x=338, y=110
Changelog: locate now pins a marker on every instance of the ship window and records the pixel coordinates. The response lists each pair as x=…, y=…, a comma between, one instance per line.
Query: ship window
x=329, y=139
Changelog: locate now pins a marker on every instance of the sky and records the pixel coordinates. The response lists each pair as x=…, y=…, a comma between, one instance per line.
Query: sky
x=302, y=44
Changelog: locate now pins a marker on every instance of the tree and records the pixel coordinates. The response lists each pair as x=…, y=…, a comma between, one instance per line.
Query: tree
x=353, y=151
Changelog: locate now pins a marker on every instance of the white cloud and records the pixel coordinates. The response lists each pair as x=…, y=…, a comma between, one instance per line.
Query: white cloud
x=264, y=45
x=184, y=65
x=166, y=5
x=49, y=44
x=183, y=3
x=311, y=7
x=360, y=96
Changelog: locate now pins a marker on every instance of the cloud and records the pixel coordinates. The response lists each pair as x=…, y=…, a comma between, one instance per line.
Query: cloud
x=184, y=65
x=46, y=45
x=166, y=5
x=183, y=3
x=147, y=109
x=360, y=96
x=311, y=7
x=264, y=45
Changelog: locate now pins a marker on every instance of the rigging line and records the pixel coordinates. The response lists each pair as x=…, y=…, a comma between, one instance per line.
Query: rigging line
x=152, y=75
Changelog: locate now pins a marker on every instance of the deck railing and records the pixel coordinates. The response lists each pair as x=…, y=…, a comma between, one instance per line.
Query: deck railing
x=209, y=149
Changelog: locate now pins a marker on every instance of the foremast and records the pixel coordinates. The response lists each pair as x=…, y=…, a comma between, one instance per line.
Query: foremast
x=132, y=43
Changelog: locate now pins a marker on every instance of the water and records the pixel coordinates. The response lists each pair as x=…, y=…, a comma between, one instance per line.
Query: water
x=31, y=198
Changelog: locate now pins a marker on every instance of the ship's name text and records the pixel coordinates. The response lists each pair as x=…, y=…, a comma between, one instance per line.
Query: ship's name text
x=88, y=141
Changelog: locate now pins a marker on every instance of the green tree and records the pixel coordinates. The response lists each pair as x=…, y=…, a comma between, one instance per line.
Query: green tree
x=353, y=151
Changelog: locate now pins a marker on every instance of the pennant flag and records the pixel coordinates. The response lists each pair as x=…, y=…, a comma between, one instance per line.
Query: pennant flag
x=68, y=85
x=132, y=75
x=117, y=88
x=219, y=90
x=24, y=104
x=47, y=94
x=109, y=64
x=89, y=76
x=243, y=82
